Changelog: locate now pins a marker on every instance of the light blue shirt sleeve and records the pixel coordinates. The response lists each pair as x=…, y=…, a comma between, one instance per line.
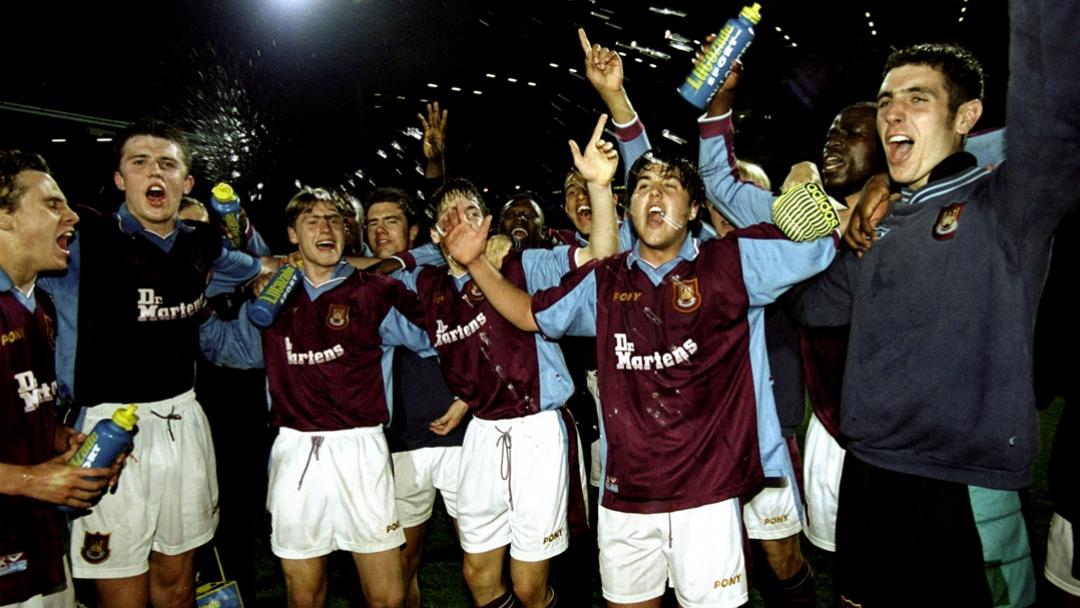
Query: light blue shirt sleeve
x=573, y=314
x=64, y=290
x=545, y=267
x=231, y=270
x=407, y=278
x=631, y=150
x=256, y=246
x=771, y=266
x=428, y=254
x=396, y=330
x=744, y=203
x=235, y=344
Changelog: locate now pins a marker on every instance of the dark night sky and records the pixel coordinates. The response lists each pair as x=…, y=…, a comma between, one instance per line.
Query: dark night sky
x=324, y=88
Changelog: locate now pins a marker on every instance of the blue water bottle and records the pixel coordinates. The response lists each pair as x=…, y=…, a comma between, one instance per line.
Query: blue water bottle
x=732, y=41
x=105, y=442
x=227, y=205
x=268, y=305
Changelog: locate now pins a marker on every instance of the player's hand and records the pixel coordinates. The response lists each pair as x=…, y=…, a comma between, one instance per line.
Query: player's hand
x=873, y=206
x=800, y=174
x=600, y=159
x=67, y=438
x=722, y=101
x=451, y=419
x=56, y=482
x=464, y=240
x=498, y=245
x=603, y=66
x=434, y=131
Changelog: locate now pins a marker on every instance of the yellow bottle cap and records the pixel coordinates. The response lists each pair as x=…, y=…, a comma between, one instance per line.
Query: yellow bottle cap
x=752, y=13
x=125, y=417
x=224, y=192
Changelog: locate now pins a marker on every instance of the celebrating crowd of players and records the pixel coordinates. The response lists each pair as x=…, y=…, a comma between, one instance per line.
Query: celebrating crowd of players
x=396, y=369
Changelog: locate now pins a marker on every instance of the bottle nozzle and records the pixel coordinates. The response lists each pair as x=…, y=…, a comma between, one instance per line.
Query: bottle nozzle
x=223, y=192
x=752, y=13
x=125, y=417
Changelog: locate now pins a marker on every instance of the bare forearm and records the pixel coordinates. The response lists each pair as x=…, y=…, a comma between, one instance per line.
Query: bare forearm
x=604, y=238
x=512, y=303
x=618, y=104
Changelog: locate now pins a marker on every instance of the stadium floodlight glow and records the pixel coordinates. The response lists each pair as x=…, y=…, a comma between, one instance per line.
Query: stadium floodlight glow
x=58, y=140
x=432, y=85
x=104, y=139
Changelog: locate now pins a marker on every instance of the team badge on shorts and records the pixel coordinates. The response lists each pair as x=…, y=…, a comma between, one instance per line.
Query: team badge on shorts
x=473, y=292
x=95, y=547
x=948, y=221
x=685, y=295
x=338, y=317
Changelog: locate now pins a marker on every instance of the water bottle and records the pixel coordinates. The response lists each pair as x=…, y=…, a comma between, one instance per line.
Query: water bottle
x=105, y=442
x=227, y=206
x=732, y=41
x=268, y=305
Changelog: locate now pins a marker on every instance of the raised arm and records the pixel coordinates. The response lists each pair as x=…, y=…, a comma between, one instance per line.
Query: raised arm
x=434, y=140
x=467, y=243
x=1043, y=122
x=743, y=202
x=597, y=164
x=604, y=70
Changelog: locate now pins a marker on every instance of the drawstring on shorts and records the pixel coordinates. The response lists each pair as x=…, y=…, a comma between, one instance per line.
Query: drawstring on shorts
x=168, y=418
x=504, y=461
x=316, y=443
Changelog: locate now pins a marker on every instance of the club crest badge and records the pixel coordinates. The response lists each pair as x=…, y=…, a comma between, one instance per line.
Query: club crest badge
x=948, y=221
x=685, y=295
x=472, y=291
x=338, y=318
x=95, y=547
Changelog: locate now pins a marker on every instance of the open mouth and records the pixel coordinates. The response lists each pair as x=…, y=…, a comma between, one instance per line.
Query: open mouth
x=899, y=147
x=155, y=195
x=584, y=212
x=832, y=162
x=655, y=215
x=519, y=233
x=64, y=241
x=326, y=246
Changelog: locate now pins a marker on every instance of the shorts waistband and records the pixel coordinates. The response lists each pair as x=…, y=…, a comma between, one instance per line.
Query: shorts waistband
x=356, y=431
x=180, y=400
x=503, y=422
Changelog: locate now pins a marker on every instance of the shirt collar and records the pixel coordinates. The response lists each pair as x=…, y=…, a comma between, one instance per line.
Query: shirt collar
x=129, y=224
x=7, y=285
x=688, y=251
x=950, y=166
x=341, y=271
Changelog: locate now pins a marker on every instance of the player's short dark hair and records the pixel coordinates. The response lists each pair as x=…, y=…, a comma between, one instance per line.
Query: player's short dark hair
x=155, y=128
x=306, y=198
x=675, y=166
x=13, y=162
x=395, y=195
x=964, y=77
x=452, y=186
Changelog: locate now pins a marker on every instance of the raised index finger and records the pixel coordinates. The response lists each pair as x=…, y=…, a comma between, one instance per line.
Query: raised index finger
x=585, y=46
x=599, y=130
